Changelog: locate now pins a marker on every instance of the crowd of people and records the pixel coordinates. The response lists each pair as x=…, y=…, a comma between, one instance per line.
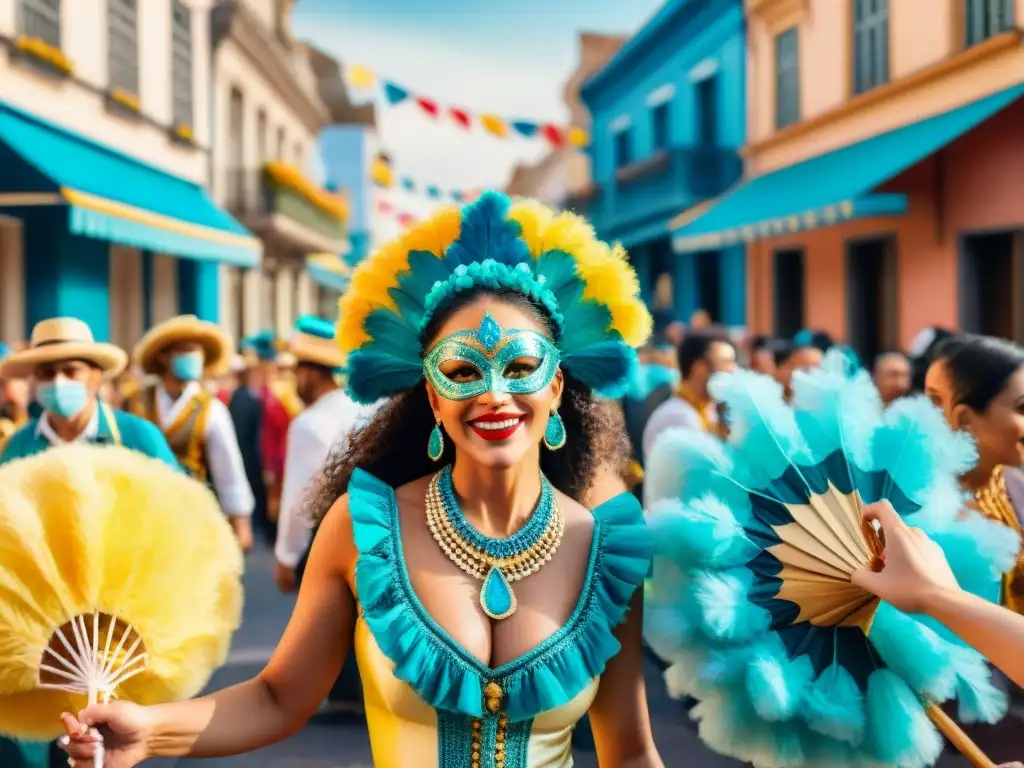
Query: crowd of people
x=473, y=441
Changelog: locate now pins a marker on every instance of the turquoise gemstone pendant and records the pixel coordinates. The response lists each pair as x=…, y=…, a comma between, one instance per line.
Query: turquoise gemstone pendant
x=435, y=445
x=496, y=596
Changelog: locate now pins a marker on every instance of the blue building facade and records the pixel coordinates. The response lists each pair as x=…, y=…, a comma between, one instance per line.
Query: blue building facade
x=669, y=116
x=347, y=152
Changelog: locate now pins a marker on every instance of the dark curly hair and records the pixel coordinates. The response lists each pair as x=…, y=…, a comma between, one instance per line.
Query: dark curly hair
x=392, y=446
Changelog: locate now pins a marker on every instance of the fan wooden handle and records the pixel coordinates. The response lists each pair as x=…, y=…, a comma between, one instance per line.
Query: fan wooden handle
x=965, y=746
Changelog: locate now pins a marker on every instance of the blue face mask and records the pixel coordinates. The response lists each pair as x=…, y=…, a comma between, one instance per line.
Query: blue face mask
x=187, y=366
x=63, y=398
x=520, y=362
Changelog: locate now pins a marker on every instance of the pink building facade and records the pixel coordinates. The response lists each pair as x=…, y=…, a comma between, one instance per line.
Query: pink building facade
x=884, y=185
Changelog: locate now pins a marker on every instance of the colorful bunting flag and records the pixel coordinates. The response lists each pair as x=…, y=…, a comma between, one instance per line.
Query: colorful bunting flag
x=362, y=78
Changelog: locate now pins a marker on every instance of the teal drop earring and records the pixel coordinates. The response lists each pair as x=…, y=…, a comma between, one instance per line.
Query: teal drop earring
x=554, y=432
x=435, y=445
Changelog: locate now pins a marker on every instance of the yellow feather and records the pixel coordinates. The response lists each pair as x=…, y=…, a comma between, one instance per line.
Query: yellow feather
x=436, y=233
x=534, y=220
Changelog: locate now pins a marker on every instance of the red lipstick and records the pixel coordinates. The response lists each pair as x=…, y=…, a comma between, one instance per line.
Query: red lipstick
x=495, y=427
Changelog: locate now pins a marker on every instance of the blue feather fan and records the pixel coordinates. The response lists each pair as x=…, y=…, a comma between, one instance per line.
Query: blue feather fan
x=751, y=601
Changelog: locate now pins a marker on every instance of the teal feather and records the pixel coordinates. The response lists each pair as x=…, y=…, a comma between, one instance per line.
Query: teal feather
x=979, y=553
x=777, y=684
x=603, y=367
x=703, y=533
x=914, y=652
x=585, y=323
x=391, y=335
x=725, y=611
x=834, y=706
x=645, y=378
x=979, y=700
x=899, y=731
x=558, y=269
x=370, y=373
x=488, y=233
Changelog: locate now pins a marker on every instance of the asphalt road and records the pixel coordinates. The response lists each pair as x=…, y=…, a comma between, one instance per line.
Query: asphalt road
x=343, y=743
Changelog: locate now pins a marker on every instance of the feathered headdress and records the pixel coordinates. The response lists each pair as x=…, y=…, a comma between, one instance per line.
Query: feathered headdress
x=586, y=287
x=752, y=601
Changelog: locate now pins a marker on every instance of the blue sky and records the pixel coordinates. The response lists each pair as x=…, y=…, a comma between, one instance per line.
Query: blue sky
x=504, y=56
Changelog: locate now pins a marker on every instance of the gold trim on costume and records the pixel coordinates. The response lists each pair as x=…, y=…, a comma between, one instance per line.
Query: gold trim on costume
x=993, y=502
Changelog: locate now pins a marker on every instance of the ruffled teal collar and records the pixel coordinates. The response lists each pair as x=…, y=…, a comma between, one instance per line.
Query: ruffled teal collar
x=450, y=678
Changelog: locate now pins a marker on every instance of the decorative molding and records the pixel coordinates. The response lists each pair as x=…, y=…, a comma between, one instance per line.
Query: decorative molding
x=962, y=59
x=778, y=15
x=661, y=94
x=703, y=70
x=265, y=50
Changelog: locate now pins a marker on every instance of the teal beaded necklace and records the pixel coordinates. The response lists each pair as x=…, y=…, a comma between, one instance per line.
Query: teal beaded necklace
x=497, y=562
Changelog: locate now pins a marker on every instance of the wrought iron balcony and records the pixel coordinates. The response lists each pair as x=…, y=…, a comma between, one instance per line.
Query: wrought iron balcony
x=663, y=185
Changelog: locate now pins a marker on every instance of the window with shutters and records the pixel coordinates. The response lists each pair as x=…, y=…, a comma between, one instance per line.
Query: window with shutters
x=787, y=78
x=623, y=148
x=41, y=18
x=660, y=126
x=123, y=46
x=870, y=44
x=182, y=104
x=986, y=18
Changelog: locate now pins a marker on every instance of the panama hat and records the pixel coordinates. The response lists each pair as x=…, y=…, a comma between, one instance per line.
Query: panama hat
x=313, y=342
x=215, y=343
x=63, y=338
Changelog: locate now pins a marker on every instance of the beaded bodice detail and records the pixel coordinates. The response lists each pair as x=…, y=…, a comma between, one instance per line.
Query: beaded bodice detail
x=486, y=717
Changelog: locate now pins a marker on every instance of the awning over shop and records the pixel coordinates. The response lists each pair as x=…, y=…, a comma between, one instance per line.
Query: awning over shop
x=830, y=188
x=329, y=270
x=110, y=196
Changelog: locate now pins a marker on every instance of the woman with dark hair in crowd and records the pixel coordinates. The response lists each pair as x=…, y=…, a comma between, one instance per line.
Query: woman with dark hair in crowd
x=978, y=382
x=489, y=608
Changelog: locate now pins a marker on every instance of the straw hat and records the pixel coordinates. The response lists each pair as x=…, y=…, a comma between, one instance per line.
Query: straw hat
x=63, y=338
x=215, y=343
x=313, y=342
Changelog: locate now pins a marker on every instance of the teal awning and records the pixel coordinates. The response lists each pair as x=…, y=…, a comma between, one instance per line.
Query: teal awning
x=833, y=187
x=111, y=196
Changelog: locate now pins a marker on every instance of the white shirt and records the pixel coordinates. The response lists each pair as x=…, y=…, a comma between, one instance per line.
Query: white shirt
x=222, y=453
x=311, y=436
x=674, y=413
x=44, y=428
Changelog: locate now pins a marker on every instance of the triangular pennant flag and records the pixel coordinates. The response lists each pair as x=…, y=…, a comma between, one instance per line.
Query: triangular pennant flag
x=360, y=77
x=405, y=219
x=460, y=117
x=433, y=192
x=381, y=173
x=525, y=128
x=579, y=137
x=456, y=195
x=494, y=125
x=408, y=184
x=554, y=135
x=384, y=206
x=395, y=94
x=427, y=105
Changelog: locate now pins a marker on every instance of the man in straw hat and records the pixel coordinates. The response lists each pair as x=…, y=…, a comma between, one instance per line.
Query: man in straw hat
x=181, y=353
x=329, y=415
x=67, y=367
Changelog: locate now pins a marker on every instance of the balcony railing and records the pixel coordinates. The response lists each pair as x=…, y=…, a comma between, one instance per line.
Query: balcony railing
x=662, y=185
x=252, y=196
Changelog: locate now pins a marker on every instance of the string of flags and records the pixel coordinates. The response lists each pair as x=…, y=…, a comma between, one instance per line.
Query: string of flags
x=384, y=176
x=365, y=79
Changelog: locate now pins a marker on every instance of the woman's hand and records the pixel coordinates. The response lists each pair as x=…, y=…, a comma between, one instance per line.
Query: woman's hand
x=914, y=566
x=119, y=730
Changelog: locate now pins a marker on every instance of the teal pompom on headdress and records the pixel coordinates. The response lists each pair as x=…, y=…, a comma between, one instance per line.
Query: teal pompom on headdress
x=586, y=288
x=263, y=344
x=751, y=601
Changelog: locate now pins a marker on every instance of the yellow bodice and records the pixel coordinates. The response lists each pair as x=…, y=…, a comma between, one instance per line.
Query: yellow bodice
x=430, y=703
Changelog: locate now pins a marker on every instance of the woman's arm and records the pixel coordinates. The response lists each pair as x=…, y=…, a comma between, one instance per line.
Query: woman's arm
x=916, y=578
x=278, y=702
x=619, y=716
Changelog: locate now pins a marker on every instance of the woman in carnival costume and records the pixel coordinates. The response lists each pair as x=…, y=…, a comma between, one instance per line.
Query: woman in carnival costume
x=489, y=609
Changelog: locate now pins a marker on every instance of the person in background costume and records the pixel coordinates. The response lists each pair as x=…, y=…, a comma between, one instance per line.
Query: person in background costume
x=67, y=367
x=246, y=411
x=701, y=355
x=892, y=375
x=493, y=330
x=978, y=383
x=279, y=405
x=14, y=401
x=182, y=352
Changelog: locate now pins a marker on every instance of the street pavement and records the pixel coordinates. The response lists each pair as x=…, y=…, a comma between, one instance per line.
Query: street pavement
x=343, y=743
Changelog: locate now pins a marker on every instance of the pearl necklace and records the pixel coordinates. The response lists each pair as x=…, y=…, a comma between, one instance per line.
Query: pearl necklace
x=498, y=573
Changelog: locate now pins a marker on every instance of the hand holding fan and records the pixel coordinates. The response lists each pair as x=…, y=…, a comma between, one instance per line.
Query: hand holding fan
x=752, y=600
x=119, y=577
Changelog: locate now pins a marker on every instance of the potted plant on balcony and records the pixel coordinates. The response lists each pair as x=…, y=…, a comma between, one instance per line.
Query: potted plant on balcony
x=43, y=56
x=183, y=134
x=124, y=102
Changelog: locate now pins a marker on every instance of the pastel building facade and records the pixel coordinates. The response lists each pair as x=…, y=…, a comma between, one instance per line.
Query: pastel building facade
x=884, y=187
x=668, y=121
x=105, y=144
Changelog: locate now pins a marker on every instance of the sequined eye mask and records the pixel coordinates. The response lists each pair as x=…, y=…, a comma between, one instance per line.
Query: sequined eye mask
x=490, y=350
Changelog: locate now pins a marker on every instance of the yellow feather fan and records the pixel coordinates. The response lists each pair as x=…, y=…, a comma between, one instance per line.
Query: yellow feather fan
x=119, y=577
